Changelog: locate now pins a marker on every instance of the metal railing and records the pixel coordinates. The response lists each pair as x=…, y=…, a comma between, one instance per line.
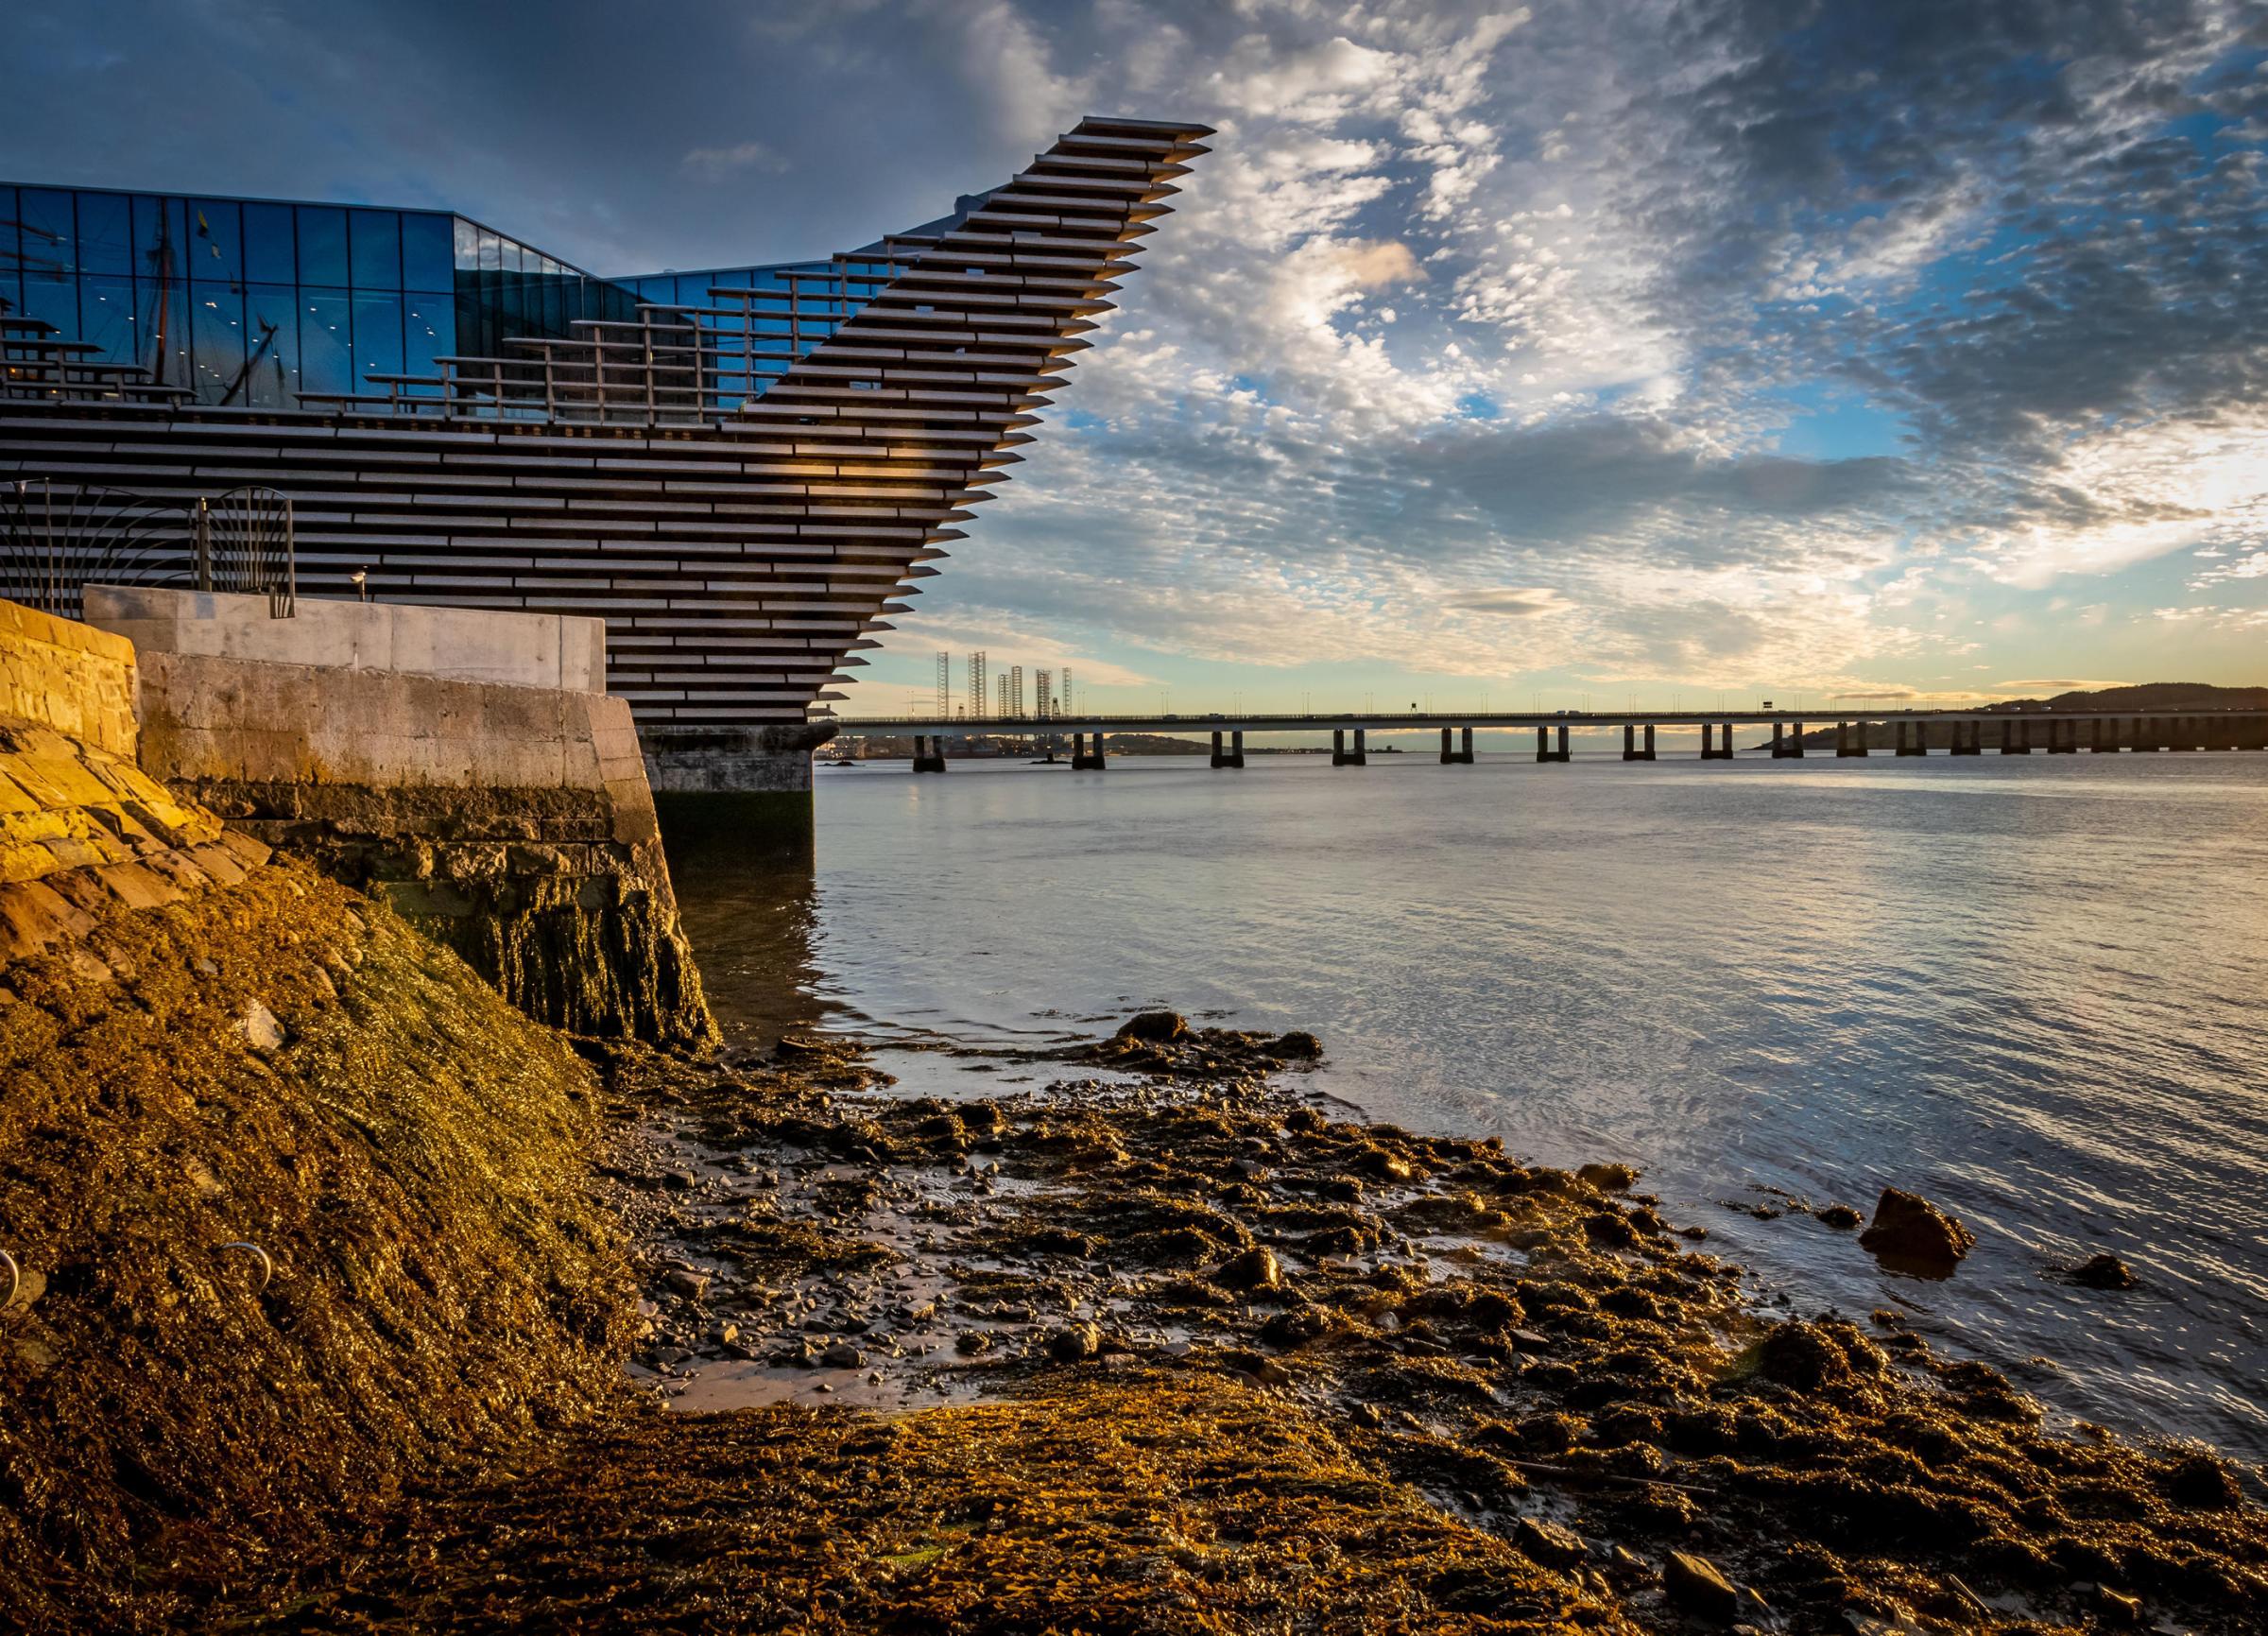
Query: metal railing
x=58, y=538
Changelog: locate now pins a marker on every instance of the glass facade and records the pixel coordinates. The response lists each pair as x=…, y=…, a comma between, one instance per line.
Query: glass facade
x=798, y=305
x=252, y=302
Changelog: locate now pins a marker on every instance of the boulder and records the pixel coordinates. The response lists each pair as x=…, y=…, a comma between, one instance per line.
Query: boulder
x=2104, y=1272
x=1839, y=1216
x=1255, y=1268
x=1910, y=1232
x=1074, y=1343
x=1547, y=1545
x=1608, y=1178
x=1155, y=1029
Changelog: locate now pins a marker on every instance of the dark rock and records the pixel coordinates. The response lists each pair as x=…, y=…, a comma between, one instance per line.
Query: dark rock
x=1289, y=1329
x=1383, y=1167
x=1547, y=1545
x=2104, y=1272
x=1255, y=1268
x=1608, y=1178
x=693, y=1285
x=1155, y=1029
x=2202, y=1483
x=1911, y=1233
x=679, y=1180
x=843, y=1355
x=1296, y=1046
x=1840, y=1217
x=1801, y=1355
x=972, y=1343
x=1074, y=1343
x=1609, y=1231
x=1695, y=1584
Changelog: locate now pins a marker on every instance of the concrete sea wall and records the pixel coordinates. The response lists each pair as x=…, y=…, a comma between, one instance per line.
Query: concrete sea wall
x=510, y=820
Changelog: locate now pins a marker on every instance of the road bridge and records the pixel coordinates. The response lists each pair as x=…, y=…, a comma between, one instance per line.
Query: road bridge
x=1962, y=732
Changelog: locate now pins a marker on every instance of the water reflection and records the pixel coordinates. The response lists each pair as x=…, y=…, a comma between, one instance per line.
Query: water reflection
x=2029, y=991
x=750, y=904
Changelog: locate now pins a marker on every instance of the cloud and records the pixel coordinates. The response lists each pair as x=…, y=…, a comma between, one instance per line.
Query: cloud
x=1385, y=261
x=757, y=156
x=1534, y=603
x=2059, y=685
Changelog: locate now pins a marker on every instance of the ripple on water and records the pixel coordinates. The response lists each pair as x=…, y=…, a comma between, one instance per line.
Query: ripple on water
x=2029, y=988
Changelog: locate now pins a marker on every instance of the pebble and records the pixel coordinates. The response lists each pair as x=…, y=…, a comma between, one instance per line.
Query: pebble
x=693, y=1285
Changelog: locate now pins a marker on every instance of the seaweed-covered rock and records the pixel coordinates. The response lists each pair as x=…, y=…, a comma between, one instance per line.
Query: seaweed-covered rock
x=1911, y=1230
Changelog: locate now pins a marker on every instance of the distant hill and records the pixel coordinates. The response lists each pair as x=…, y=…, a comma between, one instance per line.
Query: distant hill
x=2200, y=695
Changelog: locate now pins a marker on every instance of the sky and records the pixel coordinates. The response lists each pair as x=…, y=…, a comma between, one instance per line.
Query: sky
x=1677, y=351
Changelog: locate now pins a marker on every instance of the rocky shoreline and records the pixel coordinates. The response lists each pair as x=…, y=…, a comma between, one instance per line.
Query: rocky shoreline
x=1164, y=1345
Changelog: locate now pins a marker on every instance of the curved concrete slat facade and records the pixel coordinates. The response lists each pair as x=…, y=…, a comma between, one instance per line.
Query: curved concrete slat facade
x=739, y=554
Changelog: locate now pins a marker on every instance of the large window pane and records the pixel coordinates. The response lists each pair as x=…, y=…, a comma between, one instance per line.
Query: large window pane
x=106, y=233
x=50, y=236
x=326, y=326
x=377, y=338
x=106, y=318
x=272, y=332
x=269, y=256
x=216, y=340
x=322, y=245
x=377, y=243
x=216, y=227
x=428, y=332
x=427, y=252
x=54, y=298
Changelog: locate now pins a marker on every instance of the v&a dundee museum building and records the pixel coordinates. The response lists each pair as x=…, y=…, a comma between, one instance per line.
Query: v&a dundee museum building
x=740, y=469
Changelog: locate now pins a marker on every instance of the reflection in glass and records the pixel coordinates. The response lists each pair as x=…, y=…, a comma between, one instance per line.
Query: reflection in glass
x=53, y=300
x=216, y=341
x=428, y=332
x=377, y=249
x=217, y=241
x=106, y=318
x=428, y=258
x=322, y=245
x=272, y=332
x=270, y=254
x=106, y=234
x=49, y=243
x=326, y=333
x=377, y=338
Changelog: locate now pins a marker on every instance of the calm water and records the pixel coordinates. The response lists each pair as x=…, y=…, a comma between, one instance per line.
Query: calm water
x=2031, y=990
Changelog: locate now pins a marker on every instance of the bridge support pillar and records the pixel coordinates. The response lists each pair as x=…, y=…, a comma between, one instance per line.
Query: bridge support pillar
x=1086, y=752
x=1850, y=739
x=2253, y=734
x=928, y=752
x=2181, y=734
x=1968, y=738
x=2145, y=736
x=2063, y=738
x=1231, y=757
x=1543, y=744
x=2016, y=736
x=1779, y=741
x=1711, y=749
x=2100, y=742
x=1341, y=755
x=1794, y=741
x=1629, y=741
x=1911, y=740
x=1453, y=755
x=2225, y=732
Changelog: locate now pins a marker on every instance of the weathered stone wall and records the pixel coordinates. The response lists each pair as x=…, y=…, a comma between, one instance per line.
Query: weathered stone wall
x=67, y=676
x=83, y=831
x=513, y=823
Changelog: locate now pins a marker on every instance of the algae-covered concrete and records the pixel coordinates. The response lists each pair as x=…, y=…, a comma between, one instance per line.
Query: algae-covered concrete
x=514, y=823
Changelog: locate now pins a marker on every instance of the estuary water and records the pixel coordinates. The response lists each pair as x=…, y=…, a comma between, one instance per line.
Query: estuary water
x=2033, y=990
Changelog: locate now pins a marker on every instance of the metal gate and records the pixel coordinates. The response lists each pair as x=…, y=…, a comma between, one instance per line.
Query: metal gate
x=57, y=538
